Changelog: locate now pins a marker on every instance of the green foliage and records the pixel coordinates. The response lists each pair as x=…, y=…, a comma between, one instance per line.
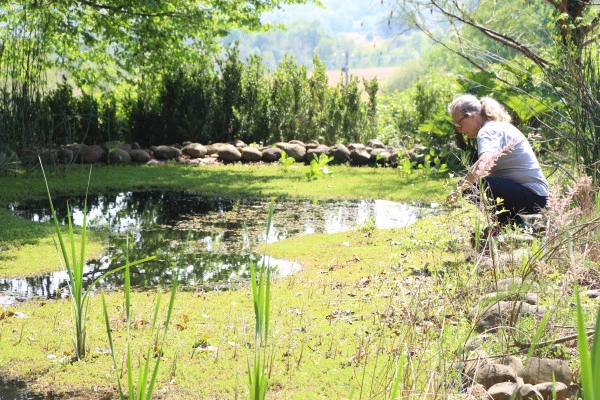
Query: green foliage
x=318, y=167
x=136, y=41
x=286, y=161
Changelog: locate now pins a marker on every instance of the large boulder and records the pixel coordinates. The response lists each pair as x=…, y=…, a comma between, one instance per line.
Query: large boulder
x=251, y=154
x=119, y=156
x=541, y=370
x=90, y=154
x=229, y=153
x=375, y=144
x=295, y=150
x=215, y=148
x=317, y=151
x=360, y=156
x=113, y=144
x=271, y=154
x=164, y=152
x=139, y=156
x=340, y=153
x=194, y=150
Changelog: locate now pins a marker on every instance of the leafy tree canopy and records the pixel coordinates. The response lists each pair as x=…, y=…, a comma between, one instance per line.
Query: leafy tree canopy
x=108, y=41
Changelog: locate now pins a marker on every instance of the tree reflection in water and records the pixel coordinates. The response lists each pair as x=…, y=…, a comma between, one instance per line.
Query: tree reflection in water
x=223, y=234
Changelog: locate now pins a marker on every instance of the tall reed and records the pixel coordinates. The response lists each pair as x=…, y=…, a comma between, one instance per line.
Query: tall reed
x=258, y=376
x=75, y=265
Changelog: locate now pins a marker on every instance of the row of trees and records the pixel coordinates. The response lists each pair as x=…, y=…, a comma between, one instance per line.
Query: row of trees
x=232, y=100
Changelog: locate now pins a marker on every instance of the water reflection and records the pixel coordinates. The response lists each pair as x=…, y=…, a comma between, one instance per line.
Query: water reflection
x=222, y=235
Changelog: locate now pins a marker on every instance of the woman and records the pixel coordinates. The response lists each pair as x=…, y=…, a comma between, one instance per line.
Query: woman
x=506, y=166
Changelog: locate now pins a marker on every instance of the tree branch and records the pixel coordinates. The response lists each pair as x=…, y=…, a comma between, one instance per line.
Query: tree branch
x=497, y=36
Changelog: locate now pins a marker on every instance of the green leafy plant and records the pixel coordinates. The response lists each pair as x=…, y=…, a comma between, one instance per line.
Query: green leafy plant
x=318, y=167
x=286, y=161
x=75, y=265
x=144, y=386
x=258, y=374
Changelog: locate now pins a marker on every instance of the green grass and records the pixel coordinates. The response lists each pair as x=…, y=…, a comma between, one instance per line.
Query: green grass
x=233, y=180
x=370, y=313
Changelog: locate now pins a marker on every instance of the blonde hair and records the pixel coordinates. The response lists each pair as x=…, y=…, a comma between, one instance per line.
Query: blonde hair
x=487, y=107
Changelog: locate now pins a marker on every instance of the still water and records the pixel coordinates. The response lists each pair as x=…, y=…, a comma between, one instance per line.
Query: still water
x=211, y=238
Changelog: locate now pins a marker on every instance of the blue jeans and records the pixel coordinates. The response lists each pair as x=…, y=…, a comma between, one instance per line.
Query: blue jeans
x=517, y=199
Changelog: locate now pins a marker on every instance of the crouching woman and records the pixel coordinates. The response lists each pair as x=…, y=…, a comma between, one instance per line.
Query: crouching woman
x=506, y=167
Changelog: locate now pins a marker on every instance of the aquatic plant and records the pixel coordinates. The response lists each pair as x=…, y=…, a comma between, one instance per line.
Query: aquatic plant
x=286, y=161
x=258, y=376
x=75, y=264
x=318, y=167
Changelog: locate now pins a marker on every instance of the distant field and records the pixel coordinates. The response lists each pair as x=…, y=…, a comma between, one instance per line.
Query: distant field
x=382, y=73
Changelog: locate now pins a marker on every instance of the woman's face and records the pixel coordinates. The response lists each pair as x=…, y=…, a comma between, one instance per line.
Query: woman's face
x=466, y=123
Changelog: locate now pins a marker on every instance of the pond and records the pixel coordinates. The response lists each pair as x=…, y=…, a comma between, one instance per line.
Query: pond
x=211, y=238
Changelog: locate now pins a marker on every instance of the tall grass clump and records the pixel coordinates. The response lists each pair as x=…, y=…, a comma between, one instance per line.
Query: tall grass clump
x=74, y=263
x=589, y=359
x=144, y=388
x=258, y=372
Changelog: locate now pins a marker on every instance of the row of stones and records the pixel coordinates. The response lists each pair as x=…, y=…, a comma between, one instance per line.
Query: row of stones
x=114, y=152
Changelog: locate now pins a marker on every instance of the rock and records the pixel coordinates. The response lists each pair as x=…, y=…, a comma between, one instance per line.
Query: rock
x=528, y=391
x=502, y=390
x=360, y=156
x=313, y=144
x=239, y=144
x=90, y=154
x=340, y=153
x=107, y=146
x=513, y=362
x=317, y=151
x=357, y=146
x=546, y=390
x=540, y=370
x=135, y=146
x=194, y=150
x=166, y=152
x=299, y=142
x=271, y=154
x=380, y=156
x=215, y=148
x=502, y=313
x=376, y=144
x=154, y=161
x=65, y=155
x=119, y=156
x=491, y=374
x=295, y=150
x=229, y=153
x=593, y=293
x=139, y=156
x=251, y=154
x=394, y=158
